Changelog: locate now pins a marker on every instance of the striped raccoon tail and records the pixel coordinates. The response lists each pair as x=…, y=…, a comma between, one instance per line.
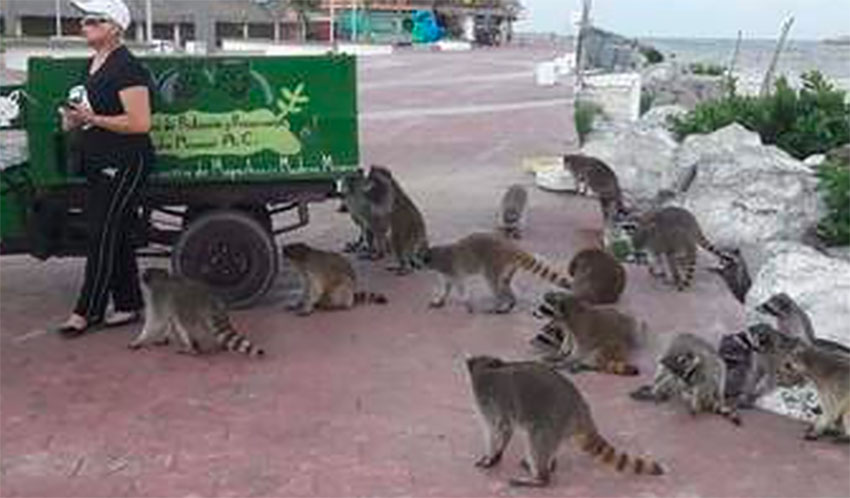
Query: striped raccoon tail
x=542, y=270
x=706, y=244
x=232, y=340
x=688, y=263
x=363, y=297
x=598, y=447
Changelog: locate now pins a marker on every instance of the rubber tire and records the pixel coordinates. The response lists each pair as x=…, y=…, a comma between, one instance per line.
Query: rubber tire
x=251, y=256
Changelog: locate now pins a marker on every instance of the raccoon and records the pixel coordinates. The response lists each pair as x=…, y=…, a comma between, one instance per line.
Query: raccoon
x=188, y=312
x=691, y=369
x=496, y=258
x=751, y=358
x=408, y=237
x=794, y=321
x=369, y=204
x=830, y=372
x=594, y=338
x=512, y=210
x=537, y=400
x=598, y=277
x=592, y=172
x=674, y=234
x=733, y=270
x=329, y=279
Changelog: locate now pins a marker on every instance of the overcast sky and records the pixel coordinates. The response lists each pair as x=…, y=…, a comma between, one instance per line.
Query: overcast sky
x=814, y=19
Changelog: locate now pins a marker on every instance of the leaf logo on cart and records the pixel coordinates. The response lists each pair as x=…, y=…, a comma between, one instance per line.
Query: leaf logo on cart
x=235, y=133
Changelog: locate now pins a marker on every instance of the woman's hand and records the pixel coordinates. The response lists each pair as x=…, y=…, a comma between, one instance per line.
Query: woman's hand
x=70, y=118
x=80, y=114
x=136, y=117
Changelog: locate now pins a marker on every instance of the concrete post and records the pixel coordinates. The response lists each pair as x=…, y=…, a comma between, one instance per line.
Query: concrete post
x=276, y=30
x=205, y=29
x=244, y=30
x=58, y=18
x=176, y=31
x=13, y=22
x=469, y=28
x=149, y=20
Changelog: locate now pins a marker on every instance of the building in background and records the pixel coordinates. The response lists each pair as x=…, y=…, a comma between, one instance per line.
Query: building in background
x=211, y=21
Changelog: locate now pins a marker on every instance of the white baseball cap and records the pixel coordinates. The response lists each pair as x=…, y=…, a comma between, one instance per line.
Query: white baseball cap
x=114, y=10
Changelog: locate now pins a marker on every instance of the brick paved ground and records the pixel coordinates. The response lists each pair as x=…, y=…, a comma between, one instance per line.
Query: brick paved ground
x=374, y=401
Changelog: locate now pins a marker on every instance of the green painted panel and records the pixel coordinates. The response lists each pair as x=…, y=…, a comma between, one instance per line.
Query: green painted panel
x=222, y=118
x=216, y=119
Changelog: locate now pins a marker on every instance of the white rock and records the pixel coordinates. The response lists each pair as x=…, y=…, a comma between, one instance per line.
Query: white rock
x=821, y=287
x=795, y=402
x=745, y=192
x=673, y=87
x=814, y=160
x=641, y=156
x=658, y=116
x=818, y=283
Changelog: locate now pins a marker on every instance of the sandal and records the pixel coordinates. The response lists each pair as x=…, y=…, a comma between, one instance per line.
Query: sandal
x=121, y=318
x=71, y=332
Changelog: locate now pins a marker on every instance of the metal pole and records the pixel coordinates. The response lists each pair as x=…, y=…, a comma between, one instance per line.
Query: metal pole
x=768, y=76
x=730, y=71
x=582, y=31
x=58, y=18
x=354, y=20
x=149, y=20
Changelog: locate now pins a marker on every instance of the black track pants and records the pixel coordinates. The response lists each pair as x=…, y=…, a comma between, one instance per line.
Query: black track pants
x=111, y=205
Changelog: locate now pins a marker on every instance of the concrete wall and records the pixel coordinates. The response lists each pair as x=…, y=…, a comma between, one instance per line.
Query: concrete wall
x=617, y=94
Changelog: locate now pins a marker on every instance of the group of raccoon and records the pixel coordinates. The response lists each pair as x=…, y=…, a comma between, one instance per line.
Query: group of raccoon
x=580, y=334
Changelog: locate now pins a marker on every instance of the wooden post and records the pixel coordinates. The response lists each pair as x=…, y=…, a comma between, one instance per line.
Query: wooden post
x=768, y=76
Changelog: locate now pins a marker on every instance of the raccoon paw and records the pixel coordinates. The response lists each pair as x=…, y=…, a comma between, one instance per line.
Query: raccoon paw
x=400, y=271
x=533, y=482
x=487, y=461
x=437, y=303
x=841, y=439
x=734, y=418
x=643, y=393
x=523, y=463
x=134, y=346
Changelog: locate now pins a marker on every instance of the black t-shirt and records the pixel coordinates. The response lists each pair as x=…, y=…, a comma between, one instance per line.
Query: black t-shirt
x=121, y=70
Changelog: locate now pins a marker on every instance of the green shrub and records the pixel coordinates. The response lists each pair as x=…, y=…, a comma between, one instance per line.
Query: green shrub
x=834, y=184
x=652, y=55
x=585, y=113
x=811, y=120
x=706, y=69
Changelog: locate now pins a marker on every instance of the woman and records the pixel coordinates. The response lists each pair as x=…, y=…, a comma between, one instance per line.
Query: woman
x=113, y=115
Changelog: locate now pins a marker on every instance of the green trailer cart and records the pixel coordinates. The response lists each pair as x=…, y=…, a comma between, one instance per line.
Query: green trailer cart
x=238, y=141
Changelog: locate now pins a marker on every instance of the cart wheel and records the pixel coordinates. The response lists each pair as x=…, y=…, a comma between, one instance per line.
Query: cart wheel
x=231, y=252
